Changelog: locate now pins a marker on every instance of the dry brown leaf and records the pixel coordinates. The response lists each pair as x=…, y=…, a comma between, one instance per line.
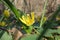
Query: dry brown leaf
x=16, y=33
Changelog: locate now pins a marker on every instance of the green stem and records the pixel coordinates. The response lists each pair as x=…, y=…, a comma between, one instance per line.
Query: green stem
x=43, y=13
x=36, y=31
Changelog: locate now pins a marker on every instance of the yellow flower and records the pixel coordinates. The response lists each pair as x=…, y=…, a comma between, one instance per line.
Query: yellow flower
x=28, y=20
x=6, y=13
x=2, y=23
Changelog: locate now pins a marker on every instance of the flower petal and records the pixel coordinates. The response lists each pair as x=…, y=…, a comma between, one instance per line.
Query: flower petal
x=22, y=20
x=32, y=15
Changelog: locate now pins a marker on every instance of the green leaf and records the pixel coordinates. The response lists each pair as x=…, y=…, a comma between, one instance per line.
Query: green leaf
x=1, y=33
x=58, y=30
x=5, y=36
x=49, y=33
x=57, y=37
x=30, y=37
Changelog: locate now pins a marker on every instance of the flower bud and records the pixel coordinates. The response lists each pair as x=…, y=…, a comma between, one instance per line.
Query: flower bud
x=6, y=13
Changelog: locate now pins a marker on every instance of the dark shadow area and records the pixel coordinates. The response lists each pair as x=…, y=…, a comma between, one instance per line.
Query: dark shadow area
x=48, y=24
